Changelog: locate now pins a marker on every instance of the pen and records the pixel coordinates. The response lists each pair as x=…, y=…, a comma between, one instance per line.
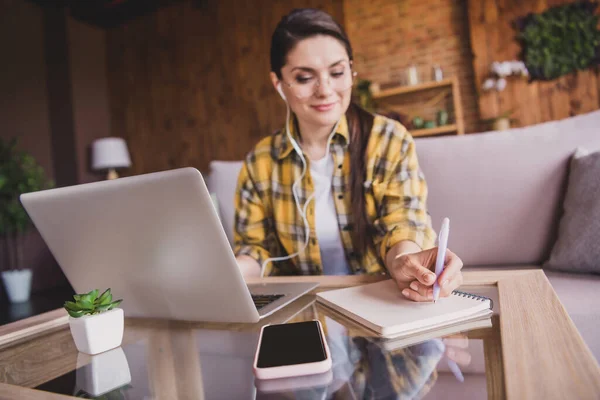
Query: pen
x=455, y=370
x=441, y=256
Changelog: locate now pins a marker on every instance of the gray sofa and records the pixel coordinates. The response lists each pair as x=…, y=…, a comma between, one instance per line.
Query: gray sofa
x=503, y=193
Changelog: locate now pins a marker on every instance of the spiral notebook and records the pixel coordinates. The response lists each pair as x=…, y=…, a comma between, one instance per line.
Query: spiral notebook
x=382, y=308
x=394, y=343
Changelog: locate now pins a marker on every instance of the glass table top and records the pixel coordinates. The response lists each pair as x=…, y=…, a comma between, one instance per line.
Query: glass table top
x=168, y=359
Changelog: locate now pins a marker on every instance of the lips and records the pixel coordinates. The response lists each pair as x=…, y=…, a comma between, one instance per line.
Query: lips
x=323, y=107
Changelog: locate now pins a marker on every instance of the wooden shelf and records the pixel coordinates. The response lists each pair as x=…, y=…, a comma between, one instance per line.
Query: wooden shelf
x=412, y=88
x=440, y=130
x=448, y=86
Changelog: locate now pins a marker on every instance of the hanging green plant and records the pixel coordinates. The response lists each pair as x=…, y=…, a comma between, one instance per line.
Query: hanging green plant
x=362, y=94
x=560, y=40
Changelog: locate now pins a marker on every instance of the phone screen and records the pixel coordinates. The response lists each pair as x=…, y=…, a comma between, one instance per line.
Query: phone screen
x=291, y=344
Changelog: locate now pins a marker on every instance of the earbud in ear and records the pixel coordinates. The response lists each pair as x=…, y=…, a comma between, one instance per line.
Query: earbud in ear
x=281, y=91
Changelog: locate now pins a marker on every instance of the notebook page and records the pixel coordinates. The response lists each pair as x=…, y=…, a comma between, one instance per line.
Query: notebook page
x=381, y=307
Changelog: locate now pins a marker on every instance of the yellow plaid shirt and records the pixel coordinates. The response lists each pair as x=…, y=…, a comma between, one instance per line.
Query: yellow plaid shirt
x=267, y=221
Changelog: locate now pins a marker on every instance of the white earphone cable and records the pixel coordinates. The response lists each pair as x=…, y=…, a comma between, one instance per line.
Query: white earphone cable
x=295, y=185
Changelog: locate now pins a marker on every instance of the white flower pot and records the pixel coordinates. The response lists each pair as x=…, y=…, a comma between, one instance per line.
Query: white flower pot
x=98, y=333
x=501, y=124
x=17, y=284
x=103, y=373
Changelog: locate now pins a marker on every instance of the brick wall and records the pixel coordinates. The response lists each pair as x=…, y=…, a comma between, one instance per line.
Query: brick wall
x=390, y=35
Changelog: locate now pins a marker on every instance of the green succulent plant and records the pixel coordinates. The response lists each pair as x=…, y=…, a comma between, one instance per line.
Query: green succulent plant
x=90, y=303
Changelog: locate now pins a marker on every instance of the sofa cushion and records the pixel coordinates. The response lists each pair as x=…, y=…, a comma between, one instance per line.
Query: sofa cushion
x=503, y=190
x=222, y=182
x=577, y=248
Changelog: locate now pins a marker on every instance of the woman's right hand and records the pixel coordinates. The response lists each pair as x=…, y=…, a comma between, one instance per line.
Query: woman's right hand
x=413, y=273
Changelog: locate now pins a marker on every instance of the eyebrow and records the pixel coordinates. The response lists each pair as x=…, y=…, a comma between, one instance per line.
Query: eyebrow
x=312, y=70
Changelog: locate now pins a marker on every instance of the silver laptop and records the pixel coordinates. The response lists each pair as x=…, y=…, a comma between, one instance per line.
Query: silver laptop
x=156, y=240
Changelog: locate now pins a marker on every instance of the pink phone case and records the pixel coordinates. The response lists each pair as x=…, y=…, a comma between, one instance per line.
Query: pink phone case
x=294, y=382
x=292, y=370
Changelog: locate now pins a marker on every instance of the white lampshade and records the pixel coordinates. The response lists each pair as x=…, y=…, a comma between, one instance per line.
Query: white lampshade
x=110, y=152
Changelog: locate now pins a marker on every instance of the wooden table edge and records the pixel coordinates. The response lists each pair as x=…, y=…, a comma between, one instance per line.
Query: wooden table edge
x=11, y=392
x=28, y=327
x=32, y=326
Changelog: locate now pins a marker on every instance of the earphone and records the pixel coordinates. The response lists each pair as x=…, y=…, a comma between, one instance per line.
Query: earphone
x=301, y=210
x=280, y=91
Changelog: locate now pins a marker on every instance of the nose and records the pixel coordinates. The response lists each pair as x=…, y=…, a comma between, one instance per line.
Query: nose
x=323, y=87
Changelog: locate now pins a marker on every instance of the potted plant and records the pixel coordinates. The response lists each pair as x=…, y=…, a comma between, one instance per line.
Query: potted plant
x=95, y=321
x=501, y=122
x=19, y=173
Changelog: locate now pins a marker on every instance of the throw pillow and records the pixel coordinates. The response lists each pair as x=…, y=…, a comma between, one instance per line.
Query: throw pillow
x=577, y=248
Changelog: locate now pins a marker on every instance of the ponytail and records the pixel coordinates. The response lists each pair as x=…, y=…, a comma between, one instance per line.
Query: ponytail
x=360, y=123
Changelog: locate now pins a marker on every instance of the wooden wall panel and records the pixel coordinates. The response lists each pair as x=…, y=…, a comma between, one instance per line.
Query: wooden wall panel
x=190, y=83
x=493, y=39
x=91, y=115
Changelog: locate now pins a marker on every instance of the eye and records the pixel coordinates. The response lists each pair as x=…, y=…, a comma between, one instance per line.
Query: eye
x=303, y=79
x=338, y=74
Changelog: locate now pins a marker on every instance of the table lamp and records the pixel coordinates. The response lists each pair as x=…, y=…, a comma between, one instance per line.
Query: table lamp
x=109, y=154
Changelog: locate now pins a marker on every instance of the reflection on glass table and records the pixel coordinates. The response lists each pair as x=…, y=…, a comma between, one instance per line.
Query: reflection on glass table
x=169, y=360
x=317, y=383
x=105, y=375
x=117, y=374
x=366, y=368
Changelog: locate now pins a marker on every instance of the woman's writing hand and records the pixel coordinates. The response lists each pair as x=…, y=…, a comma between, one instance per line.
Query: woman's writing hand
x=414, y=277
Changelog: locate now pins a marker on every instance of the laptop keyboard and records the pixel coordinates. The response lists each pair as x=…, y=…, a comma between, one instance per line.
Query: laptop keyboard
x=262, y=300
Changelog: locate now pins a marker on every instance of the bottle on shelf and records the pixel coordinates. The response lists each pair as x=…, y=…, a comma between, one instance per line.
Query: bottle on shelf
x=413, y=75
x=438, y=75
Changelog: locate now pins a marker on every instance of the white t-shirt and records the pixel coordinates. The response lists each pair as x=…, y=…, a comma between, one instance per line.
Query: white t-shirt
x=326, y=223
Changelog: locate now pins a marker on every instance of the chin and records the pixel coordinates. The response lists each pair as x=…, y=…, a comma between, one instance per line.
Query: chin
x=326, y=118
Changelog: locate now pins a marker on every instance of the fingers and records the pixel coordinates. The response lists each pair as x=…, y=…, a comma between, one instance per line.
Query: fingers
x=453, y=265
x=412, y=270
x=426, y=292
x=451, y=277
x=423, y=290
x=415, y=296
x=449, y=286
x=418, y=292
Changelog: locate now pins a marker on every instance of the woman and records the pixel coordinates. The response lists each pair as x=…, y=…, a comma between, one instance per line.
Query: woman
x=338, y=190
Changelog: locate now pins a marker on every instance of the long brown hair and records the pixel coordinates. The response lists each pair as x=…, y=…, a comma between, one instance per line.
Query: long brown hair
x=304, y=23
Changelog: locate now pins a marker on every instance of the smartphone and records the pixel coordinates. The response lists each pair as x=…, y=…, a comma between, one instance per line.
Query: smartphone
x=286, y=350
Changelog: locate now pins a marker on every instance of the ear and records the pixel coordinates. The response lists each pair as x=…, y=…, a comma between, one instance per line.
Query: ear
x=277, y=85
